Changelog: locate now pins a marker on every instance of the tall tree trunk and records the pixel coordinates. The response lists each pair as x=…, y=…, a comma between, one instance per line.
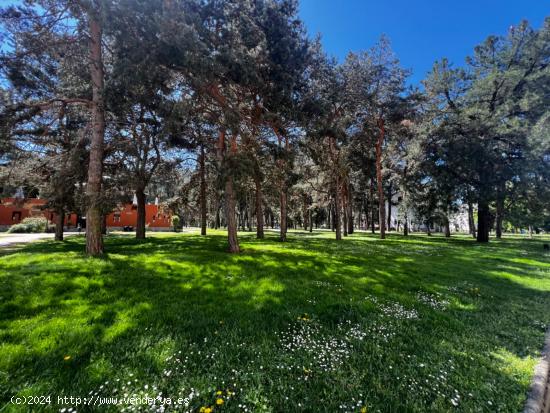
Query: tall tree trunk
x=331, y=216
x=249, y=215
x=59, y=221
x=389, y=207
x=381, y=206
x=372, y=209
x=202, y=165
x=482, y=220
x=406, y=224
x=447, y=227
x=283, y=190
x=230, y=201
x=366, y=203
x=337, y=218
x=499, y=213
x=259, y=212
x=344, y=210
x=230, y=216
x=94, y=238
x=283, y=222
x=140, y=224
x=305, y=212
x=310, y=220
x=350, y=210
x=471, y=222
x=530, y=231
x=334, y=156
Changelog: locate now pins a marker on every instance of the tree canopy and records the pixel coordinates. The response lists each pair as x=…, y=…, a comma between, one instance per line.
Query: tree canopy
x=232, y=115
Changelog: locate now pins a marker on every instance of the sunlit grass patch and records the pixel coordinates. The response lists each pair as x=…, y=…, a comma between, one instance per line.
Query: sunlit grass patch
x=406, y=324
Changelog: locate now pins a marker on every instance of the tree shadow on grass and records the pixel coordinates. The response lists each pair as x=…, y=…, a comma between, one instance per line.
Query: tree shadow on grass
x=145, y=300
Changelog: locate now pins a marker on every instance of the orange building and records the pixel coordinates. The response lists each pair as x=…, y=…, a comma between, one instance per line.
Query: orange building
x=13, y=211
x=156, y=217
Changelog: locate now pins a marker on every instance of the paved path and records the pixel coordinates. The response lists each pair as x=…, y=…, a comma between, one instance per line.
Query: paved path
x=11, y=239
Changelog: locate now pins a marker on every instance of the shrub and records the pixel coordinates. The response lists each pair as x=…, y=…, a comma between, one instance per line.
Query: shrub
x=30, y=225
x=175, y=222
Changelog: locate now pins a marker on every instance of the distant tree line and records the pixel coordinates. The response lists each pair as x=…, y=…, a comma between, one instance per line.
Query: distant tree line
x=231, y=114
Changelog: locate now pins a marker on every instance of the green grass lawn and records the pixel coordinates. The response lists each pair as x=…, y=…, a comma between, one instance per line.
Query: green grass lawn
x=415, y=324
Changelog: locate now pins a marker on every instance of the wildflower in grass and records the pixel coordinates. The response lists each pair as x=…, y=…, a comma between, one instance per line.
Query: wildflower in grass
x=434, y=300
x=363, y=409
x=219, y=393
x=67, y=358
x=219, y=402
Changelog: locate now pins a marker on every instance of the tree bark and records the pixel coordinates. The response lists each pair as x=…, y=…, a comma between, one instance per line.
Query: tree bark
x=330, y=216
x=447, y=227
x=367, y=218
x=310, y=220
x=345, y=211
x=372, y=209
x=202, y=166
x=94, y=216
x=283, y=222
x=482, y=221
x=284, y=191
x=140, y=224
x=60, y=220
x=350, y=210
x=248, y=217
x=381, y=206
x=232, y=239
x=406, y=224
x=259, y=212
x=230, y=217
x=337, y=220
x=389, y=207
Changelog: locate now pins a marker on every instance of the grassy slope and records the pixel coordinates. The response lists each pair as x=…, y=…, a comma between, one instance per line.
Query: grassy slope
x=310, y=325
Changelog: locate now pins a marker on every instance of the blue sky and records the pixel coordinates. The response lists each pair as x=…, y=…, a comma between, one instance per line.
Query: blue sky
x=421, y=31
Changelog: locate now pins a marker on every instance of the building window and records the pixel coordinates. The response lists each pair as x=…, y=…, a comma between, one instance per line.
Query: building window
x=116, y=217
x=16, y=216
